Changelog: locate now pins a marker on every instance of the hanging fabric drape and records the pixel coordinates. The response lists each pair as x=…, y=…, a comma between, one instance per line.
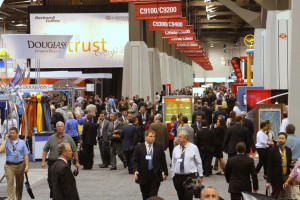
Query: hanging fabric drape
x=39, y=119
x=26, y=112
x=46, y=113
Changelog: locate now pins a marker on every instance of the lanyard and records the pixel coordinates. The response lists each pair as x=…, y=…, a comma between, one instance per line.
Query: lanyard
x=14, y=146
x=148, y=149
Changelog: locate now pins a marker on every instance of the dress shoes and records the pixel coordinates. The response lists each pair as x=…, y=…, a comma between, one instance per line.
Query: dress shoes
x=103, y=166
x=125, y=165
x=113, y=168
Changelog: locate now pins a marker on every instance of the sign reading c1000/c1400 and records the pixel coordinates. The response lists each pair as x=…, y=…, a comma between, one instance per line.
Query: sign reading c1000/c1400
x=98, y=39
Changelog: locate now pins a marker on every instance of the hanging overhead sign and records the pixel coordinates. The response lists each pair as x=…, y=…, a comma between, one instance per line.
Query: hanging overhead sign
x=189, y=46
x=157, y=10
x=36, y=46
x=145, y=1
x=186, y=39
x=189, y=30
x=96, y=42
x=166, y=24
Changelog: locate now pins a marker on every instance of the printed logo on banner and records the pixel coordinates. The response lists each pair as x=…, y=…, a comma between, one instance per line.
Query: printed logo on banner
x=98, y=39
x=47, y=18
x=157, y=10
x=36, y=46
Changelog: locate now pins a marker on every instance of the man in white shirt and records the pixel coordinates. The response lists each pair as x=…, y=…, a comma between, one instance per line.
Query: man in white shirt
x=236, y=108
x=8, y=123
x=284, y=122
x=186, y=162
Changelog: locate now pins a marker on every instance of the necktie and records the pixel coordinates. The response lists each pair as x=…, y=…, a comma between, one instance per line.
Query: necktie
x=182, y=162
x=284, y=161
x=150, y=166
x=198, y=126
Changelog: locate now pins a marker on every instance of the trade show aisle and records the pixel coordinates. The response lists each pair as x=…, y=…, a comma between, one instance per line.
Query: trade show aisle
x=107, y=185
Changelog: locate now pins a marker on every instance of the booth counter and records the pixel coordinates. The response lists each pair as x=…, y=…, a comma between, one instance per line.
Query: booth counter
x=38, y=142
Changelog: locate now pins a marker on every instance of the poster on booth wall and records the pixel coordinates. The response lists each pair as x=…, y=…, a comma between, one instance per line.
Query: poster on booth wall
x=98, y=39
x=173, y=105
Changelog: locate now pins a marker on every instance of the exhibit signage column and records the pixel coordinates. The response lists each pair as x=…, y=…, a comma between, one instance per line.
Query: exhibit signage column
x=294, y=97
x=136, y=79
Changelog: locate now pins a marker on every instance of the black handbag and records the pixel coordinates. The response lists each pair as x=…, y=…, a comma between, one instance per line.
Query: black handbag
x=81, y=156
x=28, y=188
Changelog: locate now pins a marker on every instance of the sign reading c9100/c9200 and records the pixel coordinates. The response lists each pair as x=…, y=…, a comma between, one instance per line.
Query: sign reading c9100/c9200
x=98, y=38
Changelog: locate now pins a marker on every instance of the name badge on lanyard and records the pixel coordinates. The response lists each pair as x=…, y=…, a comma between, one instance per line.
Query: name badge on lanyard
x=148, y=157
x=179, y=160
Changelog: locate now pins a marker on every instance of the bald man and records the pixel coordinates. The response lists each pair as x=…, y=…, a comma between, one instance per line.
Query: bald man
x=209, y=193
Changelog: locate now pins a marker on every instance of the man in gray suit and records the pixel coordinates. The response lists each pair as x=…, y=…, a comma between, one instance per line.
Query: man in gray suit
x=161, y=131
x=114, y=135
x=103, y=141
x=188, y=129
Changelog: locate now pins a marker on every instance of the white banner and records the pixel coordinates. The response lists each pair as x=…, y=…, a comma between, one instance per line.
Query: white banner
x=36, y=88
x=98, y=38
x=36, y=46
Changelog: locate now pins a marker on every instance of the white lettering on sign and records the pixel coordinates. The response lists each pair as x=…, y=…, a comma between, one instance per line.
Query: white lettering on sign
x=167, y=24
x=159, y=10
x=36, y=88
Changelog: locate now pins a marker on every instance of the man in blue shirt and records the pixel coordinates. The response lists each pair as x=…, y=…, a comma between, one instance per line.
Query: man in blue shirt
x=16, y=162
x=293, y=142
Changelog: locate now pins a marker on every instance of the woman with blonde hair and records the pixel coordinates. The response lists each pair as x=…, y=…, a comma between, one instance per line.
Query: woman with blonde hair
x=71, y=127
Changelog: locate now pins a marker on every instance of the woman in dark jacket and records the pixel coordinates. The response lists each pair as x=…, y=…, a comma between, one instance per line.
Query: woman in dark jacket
x=219, y=132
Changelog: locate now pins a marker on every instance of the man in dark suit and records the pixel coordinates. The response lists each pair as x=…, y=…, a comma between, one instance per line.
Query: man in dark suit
x=279, y=161
x=197, y=125
x=114, y=136
x=235, y=134
x=64, y=184
x=124, y=117
x=208, y=113
x=161, y=131
x=89, y=134
x=197, y=111
x=102, y=137
x=205, y=142
x=250, y=126
x=149, y=165
x=129, y=140
x=238, y=170
x=143, y=116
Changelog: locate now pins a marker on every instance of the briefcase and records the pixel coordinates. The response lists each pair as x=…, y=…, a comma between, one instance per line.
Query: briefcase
x=28, y=188
x=81, y=156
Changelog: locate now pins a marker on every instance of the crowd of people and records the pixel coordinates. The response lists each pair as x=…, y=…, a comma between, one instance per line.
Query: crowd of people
x=133, y=129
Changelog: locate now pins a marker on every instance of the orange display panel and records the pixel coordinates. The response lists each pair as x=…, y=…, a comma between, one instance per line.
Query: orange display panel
x=176, y=105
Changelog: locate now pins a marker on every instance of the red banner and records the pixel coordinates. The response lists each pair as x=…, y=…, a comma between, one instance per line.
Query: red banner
x=157, y=10
x=166, y=24
x=185, y=32
x=127, y=1
x=186, y=39
x=189, y=46
x=187, y=51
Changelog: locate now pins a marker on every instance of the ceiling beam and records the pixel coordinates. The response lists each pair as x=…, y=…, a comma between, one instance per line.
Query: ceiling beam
x=275, y=5
x=25, y=6
x=202, y=3
x=204, y=13
x=252, y=18
x=219, y=26
x=217, y=21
